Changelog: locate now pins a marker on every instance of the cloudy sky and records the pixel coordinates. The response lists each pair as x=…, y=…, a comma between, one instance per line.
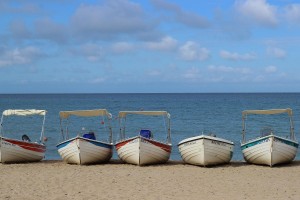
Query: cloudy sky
x=70, y=46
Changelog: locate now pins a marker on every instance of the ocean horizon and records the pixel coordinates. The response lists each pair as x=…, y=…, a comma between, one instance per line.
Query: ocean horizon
x=191, y=113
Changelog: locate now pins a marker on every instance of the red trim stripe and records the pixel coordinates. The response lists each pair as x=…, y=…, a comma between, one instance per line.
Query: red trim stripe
x=120, y=144
x=26, y=145
x=163, y=146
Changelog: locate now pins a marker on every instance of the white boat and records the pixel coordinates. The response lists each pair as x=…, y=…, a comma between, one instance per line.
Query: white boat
x=143, y=149
x=84, y=148
x=206, y=150
x=21, y=150
x=269, y=149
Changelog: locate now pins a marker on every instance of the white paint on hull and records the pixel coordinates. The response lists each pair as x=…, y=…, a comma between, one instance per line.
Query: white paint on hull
x=206, y=150
x=13, y=153
x=269, y=151
x=142, y=151
x=83, y=151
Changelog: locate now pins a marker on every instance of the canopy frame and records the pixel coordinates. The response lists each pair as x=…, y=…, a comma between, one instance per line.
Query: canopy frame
x=123, y=114
x=268, y=112
x=24, y=112
x=64, y=115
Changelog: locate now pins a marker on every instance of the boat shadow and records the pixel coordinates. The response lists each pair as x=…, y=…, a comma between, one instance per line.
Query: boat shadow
x=181, y=163
x=227, y=165
x=295, y=163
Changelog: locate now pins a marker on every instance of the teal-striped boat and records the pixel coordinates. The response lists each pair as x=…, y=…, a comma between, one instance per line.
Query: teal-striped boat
x=269, y=149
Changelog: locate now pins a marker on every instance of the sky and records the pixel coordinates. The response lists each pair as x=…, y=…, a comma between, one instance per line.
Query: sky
x=149, y=46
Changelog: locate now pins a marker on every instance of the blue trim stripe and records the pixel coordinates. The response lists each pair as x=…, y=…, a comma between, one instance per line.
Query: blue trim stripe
x=62, y=145
x=94, y=142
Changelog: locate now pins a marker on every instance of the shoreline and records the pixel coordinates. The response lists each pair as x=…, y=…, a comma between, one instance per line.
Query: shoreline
x=54, y=179
x=169, y=162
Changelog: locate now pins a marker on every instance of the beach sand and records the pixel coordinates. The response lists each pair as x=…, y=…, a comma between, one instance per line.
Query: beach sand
x=173, y=180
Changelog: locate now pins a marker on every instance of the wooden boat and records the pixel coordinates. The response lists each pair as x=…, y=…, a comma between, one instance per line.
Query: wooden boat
x=143, y=149
x=206, y=150
x=84, y=148
x=21, y=150
x=269, y=149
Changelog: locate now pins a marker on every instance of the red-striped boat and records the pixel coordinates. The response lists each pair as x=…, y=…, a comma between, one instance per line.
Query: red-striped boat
x=143, y=149
x=24, y=150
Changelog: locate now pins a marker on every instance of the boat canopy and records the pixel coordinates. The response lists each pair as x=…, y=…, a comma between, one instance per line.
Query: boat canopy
x=24, y=112
x=268, y=112
x=157, y=113
x=85, y=113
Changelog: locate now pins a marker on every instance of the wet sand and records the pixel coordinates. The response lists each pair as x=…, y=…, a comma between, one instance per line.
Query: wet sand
x=173, y=180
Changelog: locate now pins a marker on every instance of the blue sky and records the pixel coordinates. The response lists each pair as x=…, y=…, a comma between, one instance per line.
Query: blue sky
x=69, y=46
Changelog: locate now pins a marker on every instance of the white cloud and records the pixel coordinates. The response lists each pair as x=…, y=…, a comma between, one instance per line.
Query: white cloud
x=292, y=13
x=97, y=80
x=92, y=52
x=110, y=19
x=259, y=78
x=257, y=11
x=276, y=52
x=271, y=74
x=20, y=7
x=191, y=19
x=19, y=56
x=235, y=56
x=122, y=47
x=271, y=69
x=224, y=69
x=154, y=73
x=48, y=29
x=191, y=51
x=166, y=43
x=19, y=29
x=192, y=74
x=179, y=15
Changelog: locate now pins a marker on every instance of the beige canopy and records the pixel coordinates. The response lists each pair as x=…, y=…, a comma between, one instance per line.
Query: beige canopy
x=85, y=113
x=155, y=113
x=24, y=112
x=268, y=112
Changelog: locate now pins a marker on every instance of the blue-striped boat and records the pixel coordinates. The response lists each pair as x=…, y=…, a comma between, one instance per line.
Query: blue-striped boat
x=85, y=149
x=269, y=149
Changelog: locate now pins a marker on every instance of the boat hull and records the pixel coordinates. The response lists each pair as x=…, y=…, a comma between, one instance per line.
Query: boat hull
x=269, y=150
x=80, y=150
x=206, y=150
x=17, y=151
x=143, y=151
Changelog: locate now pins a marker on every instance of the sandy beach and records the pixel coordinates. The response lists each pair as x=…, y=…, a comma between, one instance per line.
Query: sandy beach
x=173, y=180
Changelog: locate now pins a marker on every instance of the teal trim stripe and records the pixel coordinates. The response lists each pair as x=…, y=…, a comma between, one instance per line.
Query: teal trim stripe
x=251, y=144
x=293, y=144
x=267, y=139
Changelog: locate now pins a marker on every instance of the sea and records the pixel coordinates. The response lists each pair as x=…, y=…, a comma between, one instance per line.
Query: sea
x=191, y=114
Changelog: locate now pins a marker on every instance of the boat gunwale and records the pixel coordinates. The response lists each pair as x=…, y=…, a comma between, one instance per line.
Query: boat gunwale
x=191, y=139
x=139, y=136
x=87, y=139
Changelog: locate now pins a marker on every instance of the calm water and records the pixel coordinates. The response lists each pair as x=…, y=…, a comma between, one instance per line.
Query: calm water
x=190, y=113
